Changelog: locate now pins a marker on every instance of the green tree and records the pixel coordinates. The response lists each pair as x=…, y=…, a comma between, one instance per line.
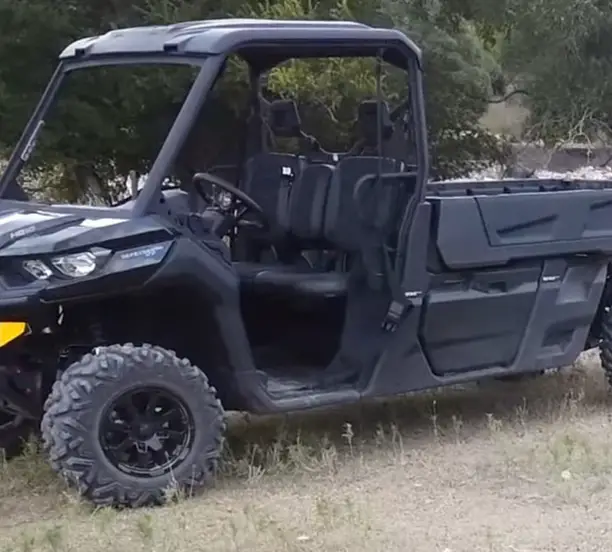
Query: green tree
x=460, y=75
x=560, y=53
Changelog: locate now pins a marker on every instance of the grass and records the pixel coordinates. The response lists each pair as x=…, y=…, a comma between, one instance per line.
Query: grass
x=498, y=467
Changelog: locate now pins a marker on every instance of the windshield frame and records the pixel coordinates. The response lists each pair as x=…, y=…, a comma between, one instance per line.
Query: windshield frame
x=172, y=142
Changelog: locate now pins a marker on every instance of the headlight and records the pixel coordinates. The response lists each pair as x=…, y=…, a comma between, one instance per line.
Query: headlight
x=37, y=268
x=75, y=265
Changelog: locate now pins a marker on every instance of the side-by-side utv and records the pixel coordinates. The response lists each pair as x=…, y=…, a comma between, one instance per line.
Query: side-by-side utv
x=127, y=331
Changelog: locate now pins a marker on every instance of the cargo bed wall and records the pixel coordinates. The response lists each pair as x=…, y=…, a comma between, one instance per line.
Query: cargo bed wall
x=532, y=315
x=489, y=230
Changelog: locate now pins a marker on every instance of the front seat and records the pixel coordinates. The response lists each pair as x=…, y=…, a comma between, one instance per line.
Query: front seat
x=305, y=221
x=322, y=215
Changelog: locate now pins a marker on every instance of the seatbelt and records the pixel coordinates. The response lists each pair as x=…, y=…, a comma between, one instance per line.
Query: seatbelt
x=284, y=195
x=400, y=303
x=280, y=231
x=402, y=300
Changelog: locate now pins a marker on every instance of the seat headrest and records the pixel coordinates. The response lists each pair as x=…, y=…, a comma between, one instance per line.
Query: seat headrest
x=367, y=117
x=284, y=119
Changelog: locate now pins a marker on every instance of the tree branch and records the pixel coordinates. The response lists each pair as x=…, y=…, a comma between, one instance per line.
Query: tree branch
x=508, y=96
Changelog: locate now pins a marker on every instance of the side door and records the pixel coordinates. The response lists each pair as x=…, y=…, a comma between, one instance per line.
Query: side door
x=402, y=366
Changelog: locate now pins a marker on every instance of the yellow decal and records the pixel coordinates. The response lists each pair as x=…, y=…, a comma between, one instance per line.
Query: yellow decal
x=10, y=331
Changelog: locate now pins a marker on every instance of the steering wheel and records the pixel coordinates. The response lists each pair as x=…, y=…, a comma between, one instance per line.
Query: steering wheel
x=240, y=205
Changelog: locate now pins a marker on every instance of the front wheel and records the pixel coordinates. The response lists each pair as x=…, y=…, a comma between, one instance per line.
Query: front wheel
x=128, y=424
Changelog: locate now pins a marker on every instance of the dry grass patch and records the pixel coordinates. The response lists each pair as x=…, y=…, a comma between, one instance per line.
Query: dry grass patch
x=496, y=467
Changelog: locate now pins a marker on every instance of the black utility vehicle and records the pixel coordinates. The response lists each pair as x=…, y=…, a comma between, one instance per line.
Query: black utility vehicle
x=129, y=329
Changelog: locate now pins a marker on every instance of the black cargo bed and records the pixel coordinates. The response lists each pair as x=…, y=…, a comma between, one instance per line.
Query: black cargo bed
x=511, y=186
x=489, y=223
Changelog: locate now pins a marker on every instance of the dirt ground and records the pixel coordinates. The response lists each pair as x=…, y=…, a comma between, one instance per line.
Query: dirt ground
x=499, y=467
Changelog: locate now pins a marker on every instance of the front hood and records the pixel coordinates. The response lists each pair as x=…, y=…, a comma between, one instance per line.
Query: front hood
x=41, y=231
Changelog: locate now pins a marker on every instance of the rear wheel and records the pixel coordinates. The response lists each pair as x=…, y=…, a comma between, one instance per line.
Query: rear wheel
x=605, y=343
x=128, y=424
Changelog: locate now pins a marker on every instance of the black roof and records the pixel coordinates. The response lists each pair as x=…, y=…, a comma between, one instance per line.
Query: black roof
x=219, y=36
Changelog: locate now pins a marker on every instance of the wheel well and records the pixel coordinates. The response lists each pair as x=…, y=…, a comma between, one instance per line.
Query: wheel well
x=169, y=318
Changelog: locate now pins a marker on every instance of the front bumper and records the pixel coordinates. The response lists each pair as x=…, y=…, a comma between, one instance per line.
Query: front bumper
x=9, y=331
x=23, y=314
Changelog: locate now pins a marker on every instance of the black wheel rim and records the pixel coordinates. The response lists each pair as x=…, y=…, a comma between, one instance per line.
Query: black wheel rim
x=146, y=432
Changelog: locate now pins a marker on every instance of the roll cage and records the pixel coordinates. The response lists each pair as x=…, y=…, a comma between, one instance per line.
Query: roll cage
x=263, y=44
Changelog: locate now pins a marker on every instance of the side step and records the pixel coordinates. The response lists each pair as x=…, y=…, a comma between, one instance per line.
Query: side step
x=289, y=381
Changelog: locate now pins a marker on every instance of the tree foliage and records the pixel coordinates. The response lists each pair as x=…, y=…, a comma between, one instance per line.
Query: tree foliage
x=455, y=35
x=560, y=52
